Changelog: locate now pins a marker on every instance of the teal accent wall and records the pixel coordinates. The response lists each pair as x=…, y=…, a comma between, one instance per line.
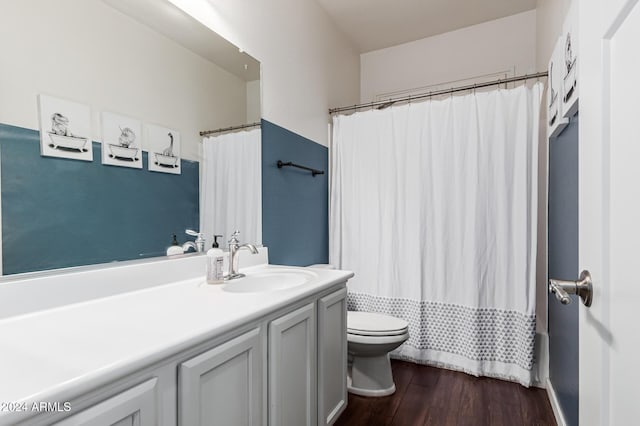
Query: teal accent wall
x=563, y=263
x=295, y=206
x=59, y=213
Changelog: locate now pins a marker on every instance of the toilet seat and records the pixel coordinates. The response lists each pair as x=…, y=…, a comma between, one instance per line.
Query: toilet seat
x=377, y=333
x=372, y=324
x=377, y=340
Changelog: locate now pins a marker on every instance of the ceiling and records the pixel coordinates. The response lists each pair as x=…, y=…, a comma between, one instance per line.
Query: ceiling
x=166, y=19
x=376, y=24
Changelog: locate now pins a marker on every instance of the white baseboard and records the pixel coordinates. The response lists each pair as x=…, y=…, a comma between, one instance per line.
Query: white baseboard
x=555, y=405
x=541, y=365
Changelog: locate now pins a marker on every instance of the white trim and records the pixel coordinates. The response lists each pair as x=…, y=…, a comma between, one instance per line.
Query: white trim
x=555, y=405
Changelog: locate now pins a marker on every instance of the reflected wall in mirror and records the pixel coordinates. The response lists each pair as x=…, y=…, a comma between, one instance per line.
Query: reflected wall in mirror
x=143, y=59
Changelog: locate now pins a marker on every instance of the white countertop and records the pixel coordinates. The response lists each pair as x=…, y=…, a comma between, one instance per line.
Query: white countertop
x=57, y=354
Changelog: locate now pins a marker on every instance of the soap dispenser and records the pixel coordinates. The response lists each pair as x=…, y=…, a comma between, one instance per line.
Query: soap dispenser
x=175, y=247
x=215, y=274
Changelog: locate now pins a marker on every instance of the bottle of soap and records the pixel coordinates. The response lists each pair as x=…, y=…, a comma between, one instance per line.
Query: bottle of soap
x=175, y=247
x=214, y=263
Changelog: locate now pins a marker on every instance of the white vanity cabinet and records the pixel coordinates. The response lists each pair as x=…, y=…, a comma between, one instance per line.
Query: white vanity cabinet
x=292, y=368
x=306, y=358
x=134, y=407
x=223, y=386
x=332, y=356
x=285, y=366
x=308, y=363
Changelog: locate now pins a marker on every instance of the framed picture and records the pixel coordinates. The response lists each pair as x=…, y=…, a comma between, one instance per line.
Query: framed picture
x=65, y=129
x=121, y=141
x=570, y=93
x=555, y=120
x=164, y=149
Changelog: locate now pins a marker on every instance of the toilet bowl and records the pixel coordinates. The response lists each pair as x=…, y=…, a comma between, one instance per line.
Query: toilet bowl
x=370, y=338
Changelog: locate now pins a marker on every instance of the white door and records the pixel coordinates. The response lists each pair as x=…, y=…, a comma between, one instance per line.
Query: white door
x=610, y=209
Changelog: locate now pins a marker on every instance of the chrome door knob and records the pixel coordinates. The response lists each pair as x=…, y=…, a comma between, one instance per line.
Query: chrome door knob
x=583, y=288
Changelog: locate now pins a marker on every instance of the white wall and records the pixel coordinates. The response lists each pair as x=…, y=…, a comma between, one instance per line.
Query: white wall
x=253, y=101
x=507, y=44
x=308, y=65
x=86, y=51
x=550, y=16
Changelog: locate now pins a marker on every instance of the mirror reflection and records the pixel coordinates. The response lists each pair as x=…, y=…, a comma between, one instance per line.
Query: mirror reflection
x=146, y=72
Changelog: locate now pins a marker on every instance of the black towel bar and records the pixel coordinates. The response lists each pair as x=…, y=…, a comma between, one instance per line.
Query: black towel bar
x=314, y=172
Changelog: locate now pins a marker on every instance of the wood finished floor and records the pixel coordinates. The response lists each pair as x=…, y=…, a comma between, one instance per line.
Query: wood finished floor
x=432, y=396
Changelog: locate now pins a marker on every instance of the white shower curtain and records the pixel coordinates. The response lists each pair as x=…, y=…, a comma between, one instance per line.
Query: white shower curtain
x=433, y=206
x=231, y=196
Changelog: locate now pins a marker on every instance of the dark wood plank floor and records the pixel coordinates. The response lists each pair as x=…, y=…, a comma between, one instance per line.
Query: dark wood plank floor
x=432, y=396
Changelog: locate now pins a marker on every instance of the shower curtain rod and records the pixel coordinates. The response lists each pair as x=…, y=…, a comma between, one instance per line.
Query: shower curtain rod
x=389, y=102
x=228, y=129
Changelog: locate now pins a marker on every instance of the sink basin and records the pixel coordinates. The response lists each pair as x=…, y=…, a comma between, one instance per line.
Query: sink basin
x=280, y=279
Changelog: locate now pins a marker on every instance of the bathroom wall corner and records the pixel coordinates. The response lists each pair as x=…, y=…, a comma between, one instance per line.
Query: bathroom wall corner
x=543, y=221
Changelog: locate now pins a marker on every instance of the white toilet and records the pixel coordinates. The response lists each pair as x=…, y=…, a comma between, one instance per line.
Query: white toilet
x=370, y=338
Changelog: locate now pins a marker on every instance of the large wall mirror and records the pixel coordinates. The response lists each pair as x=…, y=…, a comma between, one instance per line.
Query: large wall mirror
x=144, y=60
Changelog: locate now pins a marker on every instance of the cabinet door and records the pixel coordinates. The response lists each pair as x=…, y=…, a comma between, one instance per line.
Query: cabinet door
x=223, y=386
x=332, y=356
x=134, y=407
x=292, y=369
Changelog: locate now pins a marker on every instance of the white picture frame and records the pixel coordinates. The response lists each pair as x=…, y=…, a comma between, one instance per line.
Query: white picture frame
x=163, y=145
x=121, y=141
x=65, y=128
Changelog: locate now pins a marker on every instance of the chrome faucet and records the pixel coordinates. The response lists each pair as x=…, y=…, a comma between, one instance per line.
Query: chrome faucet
x=234, y=248
x=197, y=245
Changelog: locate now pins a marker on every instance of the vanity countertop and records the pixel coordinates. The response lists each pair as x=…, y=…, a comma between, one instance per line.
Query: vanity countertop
x=57, y=354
